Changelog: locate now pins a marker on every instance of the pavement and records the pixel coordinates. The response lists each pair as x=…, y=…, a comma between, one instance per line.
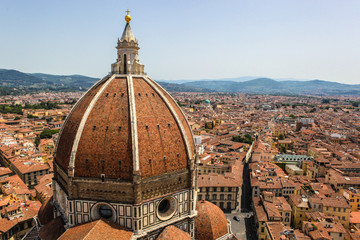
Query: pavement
x=239, y=228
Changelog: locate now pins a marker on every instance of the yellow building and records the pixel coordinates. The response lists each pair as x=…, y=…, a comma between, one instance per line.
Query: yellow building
x=260, y=218
x=332, y=206
x=47, y=146
x=300, y=206
x=353, y=197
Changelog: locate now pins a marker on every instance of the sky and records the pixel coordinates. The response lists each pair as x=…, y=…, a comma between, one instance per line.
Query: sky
x=186, y=39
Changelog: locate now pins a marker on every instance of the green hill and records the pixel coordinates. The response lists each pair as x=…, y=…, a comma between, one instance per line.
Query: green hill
x=16, y=82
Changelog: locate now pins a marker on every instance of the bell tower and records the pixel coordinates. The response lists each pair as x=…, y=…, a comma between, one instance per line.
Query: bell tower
x=127, y=52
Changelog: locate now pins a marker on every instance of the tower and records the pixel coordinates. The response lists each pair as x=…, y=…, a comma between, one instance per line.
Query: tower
x=126, y=153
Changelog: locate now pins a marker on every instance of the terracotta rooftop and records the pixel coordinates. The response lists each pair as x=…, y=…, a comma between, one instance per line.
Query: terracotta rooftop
x=355, y=217
x=173, y=233
x=275, y=228
x=97, y=230
x=4, y=171
x=53, y=229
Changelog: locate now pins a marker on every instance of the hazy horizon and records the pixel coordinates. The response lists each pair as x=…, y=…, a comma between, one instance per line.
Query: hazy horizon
x=186, y=40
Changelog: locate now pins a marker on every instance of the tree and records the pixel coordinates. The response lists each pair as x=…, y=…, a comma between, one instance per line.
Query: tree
x=31, y=116
x=37, y=141
x=14, y=108
x=47, y=133
x=281, y=136
x=282, y=149
x=243, y=139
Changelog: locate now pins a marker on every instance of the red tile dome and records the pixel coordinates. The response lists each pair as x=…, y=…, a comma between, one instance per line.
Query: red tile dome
x=46, y=212
x=125, y=124
x=173, y=233
x=210, y=223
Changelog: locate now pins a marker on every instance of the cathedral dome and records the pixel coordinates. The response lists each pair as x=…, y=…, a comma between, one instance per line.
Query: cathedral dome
x=126, y=153
x=121, y=125
x=128, y=132
x=210, y=223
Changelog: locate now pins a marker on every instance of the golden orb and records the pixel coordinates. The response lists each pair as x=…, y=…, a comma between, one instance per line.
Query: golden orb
x=127, y=17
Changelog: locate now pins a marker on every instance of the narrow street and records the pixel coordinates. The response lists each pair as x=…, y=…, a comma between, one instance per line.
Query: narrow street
x=238, y=227
x=245, y=228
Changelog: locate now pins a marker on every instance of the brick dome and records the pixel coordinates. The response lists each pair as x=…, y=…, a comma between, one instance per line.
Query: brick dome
x=210, y=223
x=46, y=212
x=173, y=233
x=125, y=124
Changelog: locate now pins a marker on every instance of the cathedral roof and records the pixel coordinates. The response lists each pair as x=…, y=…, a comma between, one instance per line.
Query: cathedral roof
x=210, y=223
x=173, y=233
x=125, y=124
x=99, y=229
x=46, y=212
x=52, y=230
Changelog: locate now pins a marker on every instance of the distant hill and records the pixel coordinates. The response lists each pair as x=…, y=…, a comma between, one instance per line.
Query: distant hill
x=75, y=81
x=13, y=78
x=237, y=79
x=174, y=87
x=270, y=86
x=16, y=82
x=41, y=81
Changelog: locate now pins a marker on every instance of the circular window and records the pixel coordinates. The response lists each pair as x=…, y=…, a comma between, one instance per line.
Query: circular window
x=103, y=210
x=166, y=208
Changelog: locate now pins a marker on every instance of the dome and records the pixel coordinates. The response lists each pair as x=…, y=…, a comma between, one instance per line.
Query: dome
x=207, y=101
x=126, y=153
x=173, y=233
x=122, y=125
x=46, y=213
x=210, y=223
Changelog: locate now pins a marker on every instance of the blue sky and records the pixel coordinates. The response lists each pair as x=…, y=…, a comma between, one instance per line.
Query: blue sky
x=186, y=39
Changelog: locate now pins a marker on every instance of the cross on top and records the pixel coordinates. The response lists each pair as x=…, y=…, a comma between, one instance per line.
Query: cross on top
x=127, y=12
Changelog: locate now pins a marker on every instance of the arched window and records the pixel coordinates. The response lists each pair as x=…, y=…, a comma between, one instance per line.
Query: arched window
x=125, y=62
